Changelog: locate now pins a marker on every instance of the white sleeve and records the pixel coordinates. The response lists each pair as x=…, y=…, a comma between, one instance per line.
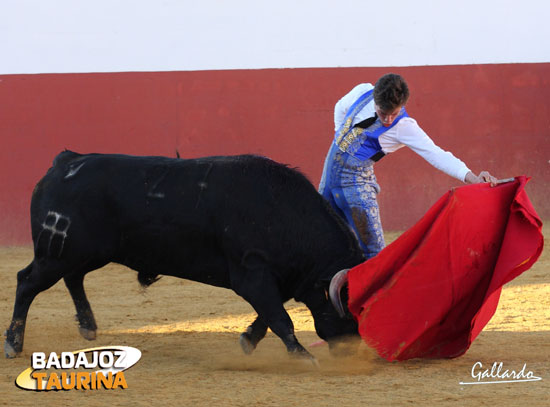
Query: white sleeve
x=410, y=134
x=342, y=106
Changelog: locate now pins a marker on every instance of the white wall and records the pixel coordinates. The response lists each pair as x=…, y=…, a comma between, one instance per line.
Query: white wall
x=144, y=35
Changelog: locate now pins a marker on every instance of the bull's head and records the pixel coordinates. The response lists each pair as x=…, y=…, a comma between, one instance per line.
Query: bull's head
x=333, y=322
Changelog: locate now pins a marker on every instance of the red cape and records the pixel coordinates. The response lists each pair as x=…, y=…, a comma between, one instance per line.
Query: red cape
x=431, y=292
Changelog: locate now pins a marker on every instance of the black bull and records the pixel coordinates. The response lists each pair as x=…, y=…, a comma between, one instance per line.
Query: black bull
x=243, y=222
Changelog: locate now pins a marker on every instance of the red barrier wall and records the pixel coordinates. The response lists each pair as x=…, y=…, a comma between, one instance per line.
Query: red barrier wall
x=493, y=117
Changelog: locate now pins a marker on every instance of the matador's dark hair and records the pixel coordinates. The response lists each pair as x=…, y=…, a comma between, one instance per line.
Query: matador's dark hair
x=390, y=92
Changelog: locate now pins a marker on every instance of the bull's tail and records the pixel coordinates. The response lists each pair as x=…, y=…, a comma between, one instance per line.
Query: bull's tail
x=146, y=279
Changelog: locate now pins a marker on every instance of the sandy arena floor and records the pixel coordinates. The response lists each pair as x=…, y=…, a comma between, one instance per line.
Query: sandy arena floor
x=188, y=334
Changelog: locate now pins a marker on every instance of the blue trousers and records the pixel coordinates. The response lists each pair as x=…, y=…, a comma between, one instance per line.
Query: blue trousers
x=350, y=186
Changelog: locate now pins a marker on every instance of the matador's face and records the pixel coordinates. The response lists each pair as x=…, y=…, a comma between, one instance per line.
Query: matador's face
x=387, y=117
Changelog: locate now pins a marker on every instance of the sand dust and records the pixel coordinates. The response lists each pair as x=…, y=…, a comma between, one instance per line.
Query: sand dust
x=188, y=334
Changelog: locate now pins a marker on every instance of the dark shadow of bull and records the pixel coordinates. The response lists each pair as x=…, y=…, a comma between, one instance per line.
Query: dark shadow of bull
x=243, y=222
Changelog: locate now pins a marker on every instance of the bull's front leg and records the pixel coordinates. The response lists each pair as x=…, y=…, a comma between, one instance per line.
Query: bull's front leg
x=280, y=323
x=260, y=289
x=253, y=335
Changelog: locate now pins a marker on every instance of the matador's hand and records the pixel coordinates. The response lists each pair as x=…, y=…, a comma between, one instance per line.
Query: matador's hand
x=483, y=176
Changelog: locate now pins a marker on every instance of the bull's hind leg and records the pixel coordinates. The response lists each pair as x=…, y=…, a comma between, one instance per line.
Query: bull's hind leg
x=253, y=335
x=86, y=321
x=32, y=280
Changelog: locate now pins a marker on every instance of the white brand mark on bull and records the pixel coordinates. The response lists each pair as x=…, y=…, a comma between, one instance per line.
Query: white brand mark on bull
x=52, y=226
x=57, y=225
x=72, y=171
x=496, y=374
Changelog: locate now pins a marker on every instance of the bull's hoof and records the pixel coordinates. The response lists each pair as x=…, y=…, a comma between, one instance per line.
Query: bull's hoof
x=10, y=351
x=305, y=356
x=88, y=334
x=246, y=344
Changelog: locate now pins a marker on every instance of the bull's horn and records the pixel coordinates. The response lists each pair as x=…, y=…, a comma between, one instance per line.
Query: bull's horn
x=336, y=284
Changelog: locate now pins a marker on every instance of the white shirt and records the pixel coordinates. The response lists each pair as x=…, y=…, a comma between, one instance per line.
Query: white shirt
x=405, y=133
